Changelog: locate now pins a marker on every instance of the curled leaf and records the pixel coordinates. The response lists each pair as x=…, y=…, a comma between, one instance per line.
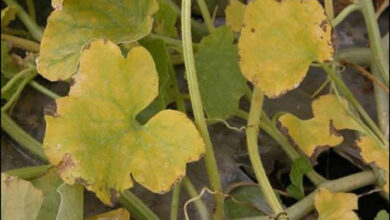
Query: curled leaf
x=95, y=139
x=279, y=41
x=335, y=206
x=235, y=12
x=20, y=200
x=79, y=22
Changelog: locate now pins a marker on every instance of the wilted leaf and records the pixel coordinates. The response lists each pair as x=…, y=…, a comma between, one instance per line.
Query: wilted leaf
x=20, y=200
x=72, y=202
x=7, y=15
x=335, y=206
x=299, y=167
x=235, y=12
x=95, y=138
x=220, y=82
x=117, y=214
x=245, y=201
x=279, y=40
x=165, y=20
x=373, y=152
x=79, y=22
x=382, y=215
x=330, y=115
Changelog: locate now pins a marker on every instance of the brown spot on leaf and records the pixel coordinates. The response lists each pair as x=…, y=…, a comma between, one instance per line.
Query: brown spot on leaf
x=66, y=163
x=332, y=129
x=323, y=25
x=80, y=180
x=8, y=180
x=253, y=30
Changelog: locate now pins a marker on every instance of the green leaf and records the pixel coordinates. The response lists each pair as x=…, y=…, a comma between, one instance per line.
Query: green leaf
x=49, y=184
x=299, y=167
x=95, y=139
x=8, y=65
x=117, y=214
x=20, y=200
x=279, y=41
x=7, y=15
x=72, y=202
x=79, y=22
x=245, y=201
x=165, y=20
x=382, y=215
x=221, y=84
x=334, y=206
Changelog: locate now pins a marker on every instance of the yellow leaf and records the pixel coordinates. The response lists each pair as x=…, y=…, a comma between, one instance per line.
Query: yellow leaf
x=235, y=12
x=373, y=152
x=329, y=114
x=20, y=200
x=7, y=15
x=95, y=139
x=117, y=214
x=335, y=206
x=75, y=23
x=279, y=40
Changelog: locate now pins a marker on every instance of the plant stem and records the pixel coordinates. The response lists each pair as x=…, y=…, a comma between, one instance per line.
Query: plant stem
x=211, y=164
x=28, y=173
x=271, y=130
x=18, y=91
x=253, y=150
x=21, y=137
x=198, y=28
x=30, y=24
x=18, y=32
x=136, y=207
x=21, y=42
x=168, y=40
x=368, y=11
x=175, y=201
x=31, y=9
x=44, y=90
x=339, y=82
x=329, y=9
x=358, y=55
x=382, y=104
x=345, y=184
x=206, y=15
x=15, y=79
x=344, y=13
x=200, y=206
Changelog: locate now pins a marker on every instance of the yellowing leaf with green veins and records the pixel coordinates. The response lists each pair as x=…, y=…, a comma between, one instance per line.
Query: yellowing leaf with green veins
x=279, y=40
x=335, y=206
x=7, y=15
x=94, y=138
x=20, y=200
x=235, y=12
x=165, y=20
x=79, y=22
x=373, y=152
x=117, y=214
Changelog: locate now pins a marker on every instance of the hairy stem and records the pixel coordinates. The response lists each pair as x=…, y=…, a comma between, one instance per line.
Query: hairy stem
x=30, y=24
x=253, y=150
x=211, y=164
x=21, y=42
